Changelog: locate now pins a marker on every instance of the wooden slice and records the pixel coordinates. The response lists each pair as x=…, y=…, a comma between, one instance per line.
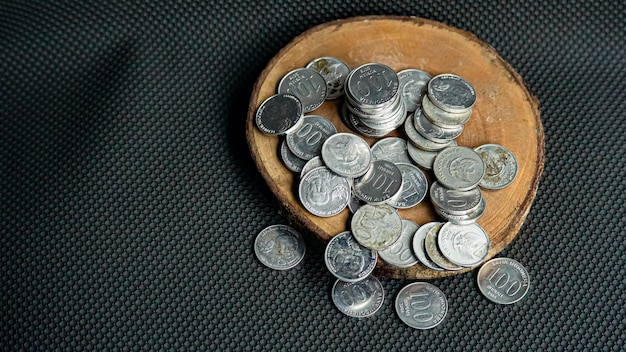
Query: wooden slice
x=505, y=113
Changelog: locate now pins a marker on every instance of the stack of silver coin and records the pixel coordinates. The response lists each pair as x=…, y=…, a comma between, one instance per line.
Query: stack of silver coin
x=373, y=104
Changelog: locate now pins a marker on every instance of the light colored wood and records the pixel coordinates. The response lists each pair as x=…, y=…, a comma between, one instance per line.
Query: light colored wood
x=505, y=113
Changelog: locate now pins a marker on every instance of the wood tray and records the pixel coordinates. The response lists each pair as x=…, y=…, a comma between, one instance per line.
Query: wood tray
x=505, y=113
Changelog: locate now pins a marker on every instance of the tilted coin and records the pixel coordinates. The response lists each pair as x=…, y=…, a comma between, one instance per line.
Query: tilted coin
x=310, y=165
x=355, y=203
x=372, y=84
x=382, y=182
x=451, y=93
x=376, y=226
x=465, y=218
x=413, y=85
x=306, y=142
x=279, y=247
x=443, y=118
x=419, y=246
x=392, y=149
x=400, y=254
x=464, y=245
x=423, y=157
x=347, y=154
x=306, y=84
x=420, y=141
x=432, y=249
x=421, y=305
x=347, y=260
x=433, y=132
x=358, y=299
x=279, y=114
x=453, y=201
x=503, y=280
x=414, y=186
x=500, y=166
x=459, y=168
x=334, y=72
x=324, y=193
x=291, y=161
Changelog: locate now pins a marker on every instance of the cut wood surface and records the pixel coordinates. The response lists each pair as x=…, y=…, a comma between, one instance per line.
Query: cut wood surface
x=505, y=113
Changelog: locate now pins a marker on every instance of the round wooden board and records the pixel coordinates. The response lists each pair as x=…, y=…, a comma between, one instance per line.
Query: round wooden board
x=505, y=113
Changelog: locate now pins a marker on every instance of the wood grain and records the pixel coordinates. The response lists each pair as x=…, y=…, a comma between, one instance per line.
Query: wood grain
x=505, y=113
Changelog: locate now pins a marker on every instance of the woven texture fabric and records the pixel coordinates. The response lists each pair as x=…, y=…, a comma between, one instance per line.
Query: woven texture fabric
x=129, y=201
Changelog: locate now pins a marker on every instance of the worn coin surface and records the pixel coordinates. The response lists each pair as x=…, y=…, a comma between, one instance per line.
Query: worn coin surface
x=420, y=141
x=433, y=132
x=453, y=201
x=413, y=85
x=372, y=85
x=310, y=165
x=358, y=299
x=432, y=249
x=376, y=226
x=324, y=193
x=392, y=149
x=306, y=142
x=451, y=93
x=423, y=157
x=279, y=247
x=500, y=166
x=414, y=187
x=348, y=260
x=382, y=182
x=291, y=161
x=419, y=246
x=464, y=245
x=400, y=254
x=347, y=154
x=459, y=168
x=503, y=280
x=306, y=84
x=334, y=72
x=279, y=114
x=421, y=305
x=466, y=218
x=443, y=118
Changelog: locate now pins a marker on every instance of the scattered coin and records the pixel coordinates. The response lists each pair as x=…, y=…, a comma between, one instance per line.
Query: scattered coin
x=466, y=218
x=392, y=149
x=347, y=260
x=423, y=157
x=279, y=114
x=500, y=166
x=433, y=132
x=400, y=254
x=376, y=226
x=451, y=93
x=414, y=187
x=459, y=168
x=306, y=84
x=443, y=118
x=279, y=247
x=334, y=72
x=419, y=243
x=310, y=165
x=413, y=86
x=306, y=142
x=324, y=193
x=346, y=154
x=503, y=280
x=464, y=245
x=291, y=161
x=455, y=202
x=421, y=305
x=420, y=141
x=382, y=182
x=358, y=299
x=433, y=250
x=355, y=203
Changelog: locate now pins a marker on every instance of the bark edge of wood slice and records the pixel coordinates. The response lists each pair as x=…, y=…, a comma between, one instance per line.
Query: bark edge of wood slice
x=505, y=113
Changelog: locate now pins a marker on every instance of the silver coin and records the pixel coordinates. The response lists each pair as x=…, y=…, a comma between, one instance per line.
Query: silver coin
x=421, y=305
x=355, y=203
x=453, y=201
x=375, y=112
x=413, y=86
x=464, y=245
x=310, y=165
x=279, y=247
x=500, y=166
x=400, y=254
x=443, y=118
x=347, y=260
x=503, y=280
x=376, y=226
x=358, y=299
x=392, y=149
x=451, y=93
x=423, y=157
x=432, y=249
x=324, y=193
x=334, y=72
x=433, y=132
x=420, y=141
x=356, y=125
x=372, y=84
x=291, y=161
x=381, y=183
x=393, y=120
x=459, y=168
x=279, y=114
x=464, y=219
x=347, y=154
x=414, y=187
x=419, y=246
x=306, y=142
x=306, y=84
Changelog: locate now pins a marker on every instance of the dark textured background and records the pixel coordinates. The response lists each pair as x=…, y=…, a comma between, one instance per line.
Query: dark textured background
x=130, y=203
